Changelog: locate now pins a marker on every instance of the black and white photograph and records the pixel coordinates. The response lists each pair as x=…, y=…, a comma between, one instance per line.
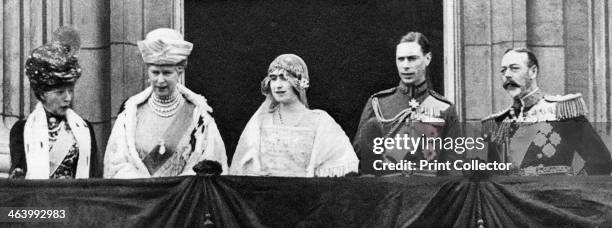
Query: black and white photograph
x=314, y=113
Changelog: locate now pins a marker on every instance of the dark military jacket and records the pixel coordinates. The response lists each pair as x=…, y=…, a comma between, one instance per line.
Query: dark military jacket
x=404, y=110
x=540, y=135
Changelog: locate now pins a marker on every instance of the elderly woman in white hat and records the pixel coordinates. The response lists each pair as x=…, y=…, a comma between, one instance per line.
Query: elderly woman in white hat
x=166, y=129
x=286, y=138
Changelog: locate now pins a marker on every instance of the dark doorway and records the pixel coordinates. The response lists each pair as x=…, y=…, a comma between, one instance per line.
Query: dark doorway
x=349, y=47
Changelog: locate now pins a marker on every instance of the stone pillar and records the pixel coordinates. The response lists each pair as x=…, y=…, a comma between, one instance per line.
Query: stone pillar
x=546, y=37
x=488, y=29
x=11, y=76
x=602, y=68
x=92, y=102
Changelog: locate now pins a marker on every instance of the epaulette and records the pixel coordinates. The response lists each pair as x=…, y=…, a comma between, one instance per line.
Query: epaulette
x=568, y=106
x=494, y=116
x=439, y=97
x=491, y=125
x=385, y=92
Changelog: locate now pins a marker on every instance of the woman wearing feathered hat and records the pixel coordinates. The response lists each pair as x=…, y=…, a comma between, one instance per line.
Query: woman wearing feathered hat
x=53, y=142
x=286, y=138
x=166, y=129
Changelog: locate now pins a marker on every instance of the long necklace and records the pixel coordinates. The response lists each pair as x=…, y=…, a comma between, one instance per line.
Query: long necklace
x=280, y=117
x=282, y=122
x=166, y=107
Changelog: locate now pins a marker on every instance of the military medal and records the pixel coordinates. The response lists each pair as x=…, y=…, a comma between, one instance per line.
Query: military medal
x=413, y=104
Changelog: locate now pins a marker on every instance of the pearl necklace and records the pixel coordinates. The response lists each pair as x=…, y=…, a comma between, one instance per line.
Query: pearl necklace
x=54, y=128
x=166, y=107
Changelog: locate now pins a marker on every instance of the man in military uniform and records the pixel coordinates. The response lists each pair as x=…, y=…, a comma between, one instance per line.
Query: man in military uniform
x=410, y=109
x=539, y=134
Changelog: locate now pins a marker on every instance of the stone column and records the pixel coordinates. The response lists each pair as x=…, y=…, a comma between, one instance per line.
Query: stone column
x=488, y=28
x=92, y=100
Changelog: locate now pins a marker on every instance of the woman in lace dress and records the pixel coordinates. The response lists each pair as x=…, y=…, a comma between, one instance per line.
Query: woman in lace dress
x=286, y=138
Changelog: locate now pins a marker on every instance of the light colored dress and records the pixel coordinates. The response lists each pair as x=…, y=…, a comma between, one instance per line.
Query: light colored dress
x=134, y=149
x=159, y=139
x=315, y=146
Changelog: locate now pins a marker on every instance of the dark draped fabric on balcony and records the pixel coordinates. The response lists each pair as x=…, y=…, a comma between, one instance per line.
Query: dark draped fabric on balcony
x=228, y=201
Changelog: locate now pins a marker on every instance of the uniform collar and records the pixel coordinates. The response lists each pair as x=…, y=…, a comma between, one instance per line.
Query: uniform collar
x=530, y=99
x=413, y=90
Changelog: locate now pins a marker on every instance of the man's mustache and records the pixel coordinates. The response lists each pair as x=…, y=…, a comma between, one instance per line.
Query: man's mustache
x=510, y=82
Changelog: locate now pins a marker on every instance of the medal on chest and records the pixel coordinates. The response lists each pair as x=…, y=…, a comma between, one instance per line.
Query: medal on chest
x=413, y=107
